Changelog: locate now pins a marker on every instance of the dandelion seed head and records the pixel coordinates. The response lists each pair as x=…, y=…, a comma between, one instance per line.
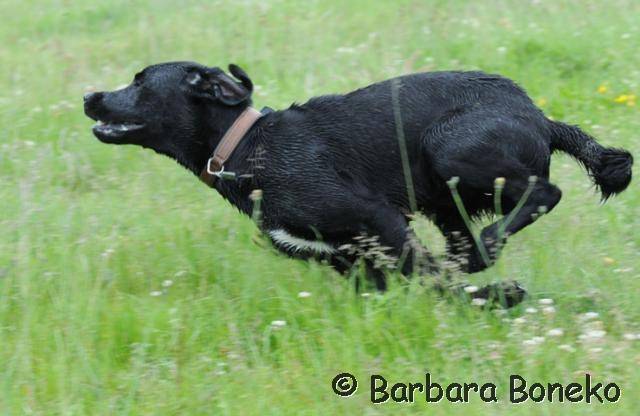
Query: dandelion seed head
x=255, y=195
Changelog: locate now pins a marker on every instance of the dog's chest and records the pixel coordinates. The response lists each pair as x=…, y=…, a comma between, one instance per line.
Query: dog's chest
x=285, y=240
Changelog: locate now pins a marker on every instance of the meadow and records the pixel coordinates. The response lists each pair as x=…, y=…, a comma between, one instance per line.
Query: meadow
x=127, y=287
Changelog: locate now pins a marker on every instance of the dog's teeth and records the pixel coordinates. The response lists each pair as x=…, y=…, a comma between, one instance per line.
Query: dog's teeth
x=100, y=122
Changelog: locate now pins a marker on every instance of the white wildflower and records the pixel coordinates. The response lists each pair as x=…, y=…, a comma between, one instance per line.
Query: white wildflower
x=590, y=315
x=555, y=332
x=277, y=324
x=304, y=294
x=345, y=50
x=478, y=302
x=533, y=341
x=566, y=347
x=471, y=289
x=594, y=334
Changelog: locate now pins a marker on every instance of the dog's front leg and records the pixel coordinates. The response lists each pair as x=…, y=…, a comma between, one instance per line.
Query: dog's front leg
x=396, y=244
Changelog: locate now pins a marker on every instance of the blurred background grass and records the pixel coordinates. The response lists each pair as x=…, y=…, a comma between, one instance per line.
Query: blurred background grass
x=126, y=287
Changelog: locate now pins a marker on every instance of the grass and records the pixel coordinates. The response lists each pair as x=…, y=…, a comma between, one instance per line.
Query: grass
x=89, y=232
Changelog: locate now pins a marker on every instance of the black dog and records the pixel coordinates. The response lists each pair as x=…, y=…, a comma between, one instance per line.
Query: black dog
x=343, y=168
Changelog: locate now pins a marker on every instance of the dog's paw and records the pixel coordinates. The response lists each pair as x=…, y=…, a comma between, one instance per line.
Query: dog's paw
x=482, y=258
x=505, y=294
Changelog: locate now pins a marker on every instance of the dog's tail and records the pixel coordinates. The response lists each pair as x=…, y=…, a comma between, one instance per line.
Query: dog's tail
x=609, y=168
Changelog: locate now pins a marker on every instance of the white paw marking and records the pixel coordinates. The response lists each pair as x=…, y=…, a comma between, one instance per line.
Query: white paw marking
x=296, y=244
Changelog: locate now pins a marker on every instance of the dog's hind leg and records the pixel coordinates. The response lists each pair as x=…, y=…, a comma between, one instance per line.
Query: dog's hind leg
x=477, y=168
x=541, y=197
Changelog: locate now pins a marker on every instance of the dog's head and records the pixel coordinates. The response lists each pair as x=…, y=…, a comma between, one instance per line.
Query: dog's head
x=171, y=107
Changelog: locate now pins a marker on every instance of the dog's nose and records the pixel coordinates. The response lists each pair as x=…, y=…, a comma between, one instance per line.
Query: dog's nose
x=92, y=96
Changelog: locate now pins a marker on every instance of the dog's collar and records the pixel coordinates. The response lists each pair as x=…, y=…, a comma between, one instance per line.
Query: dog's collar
x=214, y=169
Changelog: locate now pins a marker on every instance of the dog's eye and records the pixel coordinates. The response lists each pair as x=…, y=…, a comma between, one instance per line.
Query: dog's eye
x=137, y=80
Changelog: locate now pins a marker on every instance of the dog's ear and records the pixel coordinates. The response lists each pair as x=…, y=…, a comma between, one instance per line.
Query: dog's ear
x=239, y=73
x=198, y=82
x=213, y=83
x=231, y=92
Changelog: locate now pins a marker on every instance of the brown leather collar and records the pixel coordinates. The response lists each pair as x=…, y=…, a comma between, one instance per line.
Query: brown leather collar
x=215, y=165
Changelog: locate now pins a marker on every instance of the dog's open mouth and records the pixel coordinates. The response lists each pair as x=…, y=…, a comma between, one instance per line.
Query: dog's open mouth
x=112, y=131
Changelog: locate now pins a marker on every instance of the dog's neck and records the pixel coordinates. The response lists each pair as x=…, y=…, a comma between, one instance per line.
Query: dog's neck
x=195, y=157
x=209, y=135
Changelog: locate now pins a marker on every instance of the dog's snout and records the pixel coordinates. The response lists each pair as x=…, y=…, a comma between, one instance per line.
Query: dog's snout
x=92, y=97
x=93, y=104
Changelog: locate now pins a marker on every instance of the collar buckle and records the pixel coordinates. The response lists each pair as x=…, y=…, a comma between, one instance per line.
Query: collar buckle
x=210, y=171
x=220, y=174
x=227, y=145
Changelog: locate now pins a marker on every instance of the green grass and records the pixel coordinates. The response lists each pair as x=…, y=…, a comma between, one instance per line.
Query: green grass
x=89, y=231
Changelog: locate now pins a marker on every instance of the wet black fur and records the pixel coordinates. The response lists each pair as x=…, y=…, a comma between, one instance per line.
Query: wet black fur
x=331, y=168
